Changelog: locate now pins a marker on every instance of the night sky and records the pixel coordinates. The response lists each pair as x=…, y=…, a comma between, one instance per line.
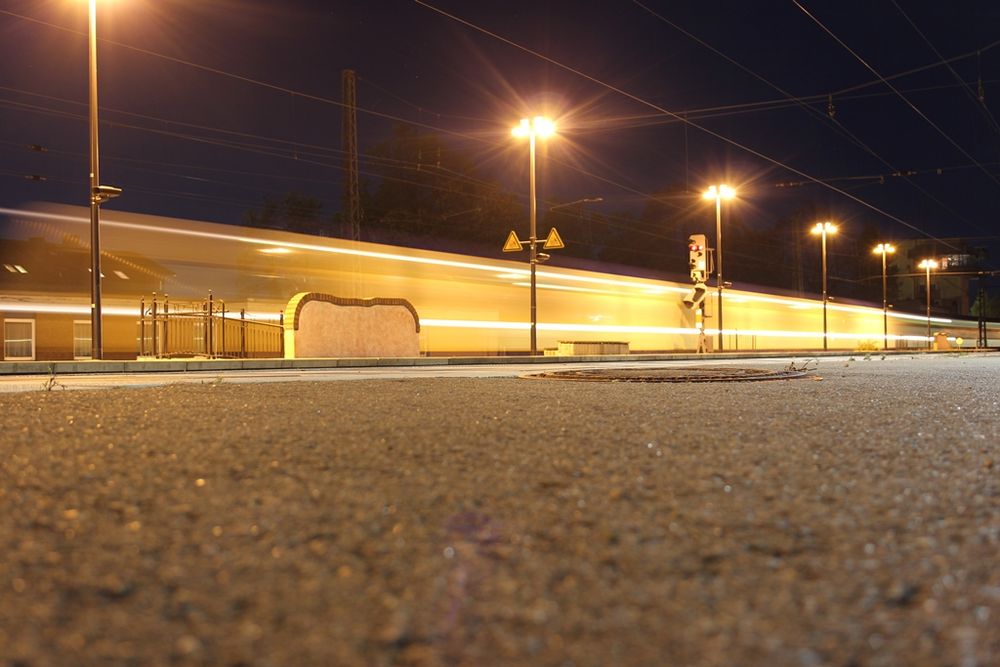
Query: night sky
x=210, y=106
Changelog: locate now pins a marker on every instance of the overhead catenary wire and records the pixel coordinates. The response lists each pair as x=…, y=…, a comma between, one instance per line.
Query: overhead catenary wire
x=315, y=98
x=410, y=121
x=827, y=119
x=283, y=89
x=445, y=130
x=903, y=97
x=975, y=96
x=730, y=110
x=641, y=100
x=610, y=221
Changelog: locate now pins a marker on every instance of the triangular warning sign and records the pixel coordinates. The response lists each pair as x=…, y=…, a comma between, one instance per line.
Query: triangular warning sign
x=513, y=244
x=553, y=241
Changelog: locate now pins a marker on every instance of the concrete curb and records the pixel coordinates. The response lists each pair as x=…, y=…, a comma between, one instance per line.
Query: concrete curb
x=195, y=365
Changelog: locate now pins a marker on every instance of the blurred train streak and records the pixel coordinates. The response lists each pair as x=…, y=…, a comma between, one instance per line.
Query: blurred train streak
x=467, y=305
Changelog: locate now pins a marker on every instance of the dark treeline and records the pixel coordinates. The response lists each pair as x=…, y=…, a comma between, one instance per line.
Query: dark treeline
x=419, y=191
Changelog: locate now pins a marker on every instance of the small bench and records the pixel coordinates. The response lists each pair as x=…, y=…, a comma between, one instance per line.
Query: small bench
x=586, y=348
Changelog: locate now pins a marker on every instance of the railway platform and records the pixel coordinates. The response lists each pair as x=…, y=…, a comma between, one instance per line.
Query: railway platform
x=191, y=365
x=458, y=514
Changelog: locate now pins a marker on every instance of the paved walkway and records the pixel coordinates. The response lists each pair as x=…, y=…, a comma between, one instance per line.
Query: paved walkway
x=850, y=518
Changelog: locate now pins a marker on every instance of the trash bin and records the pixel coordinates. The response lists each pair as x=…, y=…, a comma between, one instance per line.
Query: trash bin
x=941, y=341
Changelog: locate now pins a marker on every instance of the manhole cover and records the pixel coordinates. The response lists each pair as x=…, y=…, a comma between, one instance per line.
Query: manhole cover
x=715, y=374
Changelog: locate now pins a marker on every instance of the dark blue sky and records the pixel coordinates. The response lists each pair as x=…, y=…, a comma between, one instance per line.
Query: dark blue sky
x=208, y=107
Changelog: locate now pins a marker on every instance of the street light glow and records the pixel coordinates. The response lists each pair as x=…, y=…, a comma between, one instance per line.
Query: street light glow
x=544, y=127
x=884, y=248
x=719, y=192
x=823, y=228
x=539, y=126
x=927, y=264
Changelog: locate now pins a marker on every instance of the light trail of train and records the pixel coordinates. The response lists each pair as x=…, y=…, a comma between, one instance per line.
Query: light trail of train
x=467, y=305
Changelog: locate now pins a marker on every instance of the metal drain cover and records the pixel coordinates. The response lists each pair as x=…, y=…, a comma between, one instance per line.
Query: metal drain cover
x=688, y=374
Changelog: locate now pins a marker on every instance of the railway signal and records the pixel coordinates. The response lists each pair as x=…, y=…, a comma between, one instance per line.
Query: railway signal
x=697, y=297
x=696, y=258
x=698, y=268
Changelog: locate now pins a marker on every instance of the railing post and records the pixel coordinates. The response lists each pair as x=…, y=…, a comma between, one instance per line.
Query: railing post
x=156, y=349
x=281, y=335
x=243, y=333
x=142, y=326
x=222, y=327
x=208, y=328
x=166, y=326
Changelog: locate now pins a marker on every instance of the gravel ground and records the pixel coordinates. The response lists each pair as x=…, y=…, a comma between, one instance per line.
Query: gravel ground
x=851, y=519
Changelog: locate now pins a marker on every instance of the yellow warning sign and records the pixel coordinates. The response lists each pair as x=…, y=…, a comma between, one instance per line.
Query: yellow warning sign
x=553, y=241
x=513, y=244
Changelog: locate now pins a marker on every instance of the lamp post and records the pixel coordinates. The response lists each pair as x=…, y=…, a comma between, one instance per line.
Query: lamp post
x=884, y=249
x=927, y=265
x=824, y=228
x=96, y=343
x=718, y=193
x=98, y=195
x=540, y=127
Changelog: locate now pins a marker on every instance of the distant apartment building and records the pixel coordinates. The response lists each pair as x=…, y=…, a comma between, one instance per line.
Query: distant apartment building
x=958, y=263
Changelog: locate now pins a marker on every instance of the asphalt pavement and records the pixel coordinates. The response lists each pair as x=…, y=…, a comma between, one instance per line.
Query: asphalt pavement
x=850, y=517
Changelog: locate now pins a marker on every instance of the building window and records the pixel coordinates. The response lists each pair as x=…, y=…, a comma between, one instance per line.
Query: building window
x=18, y=340
x=82, y=347
x=955, y=261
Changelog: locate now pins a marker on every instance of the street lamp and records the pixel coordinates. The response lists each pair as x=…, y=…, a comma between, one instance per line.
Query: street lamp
x=927, y=265
x=824, y=228
x=540, y=127
x=98, y=195
x=884, y=249
x=718, y=193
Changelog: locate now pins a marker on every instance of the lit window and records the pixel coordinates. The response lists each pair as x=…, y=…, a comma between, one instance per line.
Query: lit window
x=18, y=340
x=81, y=339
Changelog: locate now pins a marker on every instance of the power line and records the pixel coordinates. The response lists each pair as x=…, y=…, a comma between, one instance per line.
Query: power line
x=444, y=130
x=920, y=113
x=652, y=105
x=975, y=98
x=728, y=110
x=826, y=119
x=294, y=147
x=315, y=98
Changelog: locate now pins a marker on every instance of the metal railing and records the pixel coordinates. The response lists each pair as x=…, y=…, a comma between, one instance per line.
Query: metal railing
x=204, y=329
